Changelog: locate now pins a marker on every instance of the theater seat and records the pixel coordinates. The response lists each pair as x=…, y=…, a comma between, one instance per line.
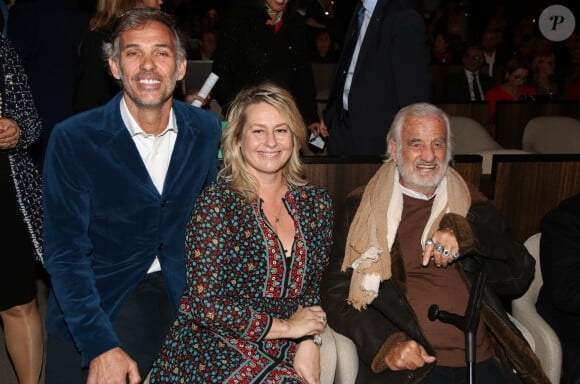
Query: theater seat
x=471, y=138
x=552, y=134
x=545, y=342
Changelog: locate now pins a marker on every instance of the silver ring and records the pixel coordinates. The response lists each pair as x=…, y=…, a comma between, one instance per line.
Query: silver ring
x=455, y=255
x=446, y=252
x=429, y=241
x=438, y=248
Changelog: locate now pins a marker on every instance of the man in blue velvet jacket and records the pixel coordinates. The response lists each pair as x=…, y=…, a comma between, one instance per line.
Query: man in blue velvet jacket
x=119, y=184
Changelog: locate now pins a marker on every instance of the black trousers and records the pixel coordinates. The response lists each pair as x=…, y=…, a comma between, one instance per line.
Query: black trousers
x=487, y=372
x=141, y=326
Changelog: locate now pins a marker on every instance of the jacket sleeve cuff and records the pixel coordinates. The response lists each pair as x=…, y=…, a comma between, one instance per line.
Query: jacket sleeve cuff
x=462, y=230
x=97, y=349
x=378, y=364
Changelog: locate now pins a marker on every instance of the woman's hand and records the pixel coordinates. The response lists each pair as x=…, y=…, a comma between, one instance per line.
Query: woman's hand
x=306, y=321
x=9, y=133
x=307, y=361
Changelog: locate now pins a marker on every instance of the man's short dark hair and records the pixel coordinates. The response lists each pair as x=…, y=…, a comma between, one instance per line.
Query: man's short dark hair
x=134, y=18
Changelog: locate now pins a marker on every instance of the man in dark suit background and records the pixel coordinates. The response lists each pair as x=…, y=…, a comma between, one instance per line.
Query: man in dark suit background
x=119, y=184
x=381, y=69
x=470, y=84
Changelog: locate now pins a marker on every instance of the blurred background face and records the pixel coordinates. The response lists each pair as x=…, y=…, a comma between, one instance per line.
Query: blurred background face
x=547, y=65
x=489, y=41
x=323, y=43
x=208, y=43
x=473, y=59
x=440, y=44
x=277, y=5
x=518, y=77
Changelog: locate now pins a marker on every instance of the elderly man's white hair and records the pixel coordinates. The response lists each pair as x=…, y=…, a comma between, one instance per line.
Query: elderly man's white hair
x=418, y=110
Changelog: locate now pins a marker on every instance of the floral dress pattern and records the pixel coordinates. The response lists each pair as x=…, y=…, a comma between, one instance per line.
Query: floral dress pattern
x=238, y=279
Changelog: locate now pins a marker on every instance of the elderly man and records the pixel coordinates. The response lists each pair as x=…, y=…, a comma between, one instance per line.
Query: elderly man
x=119, y=184
x=408, y=247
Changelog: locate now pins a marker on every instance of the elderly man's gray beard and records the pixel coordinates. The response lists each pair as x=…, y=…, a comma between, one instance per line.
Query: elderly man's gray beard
x=415, y=182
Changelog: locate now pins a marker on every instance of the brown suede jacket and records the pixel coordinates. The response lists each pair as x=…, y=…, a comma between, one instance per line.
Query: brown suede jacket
x=389, y=318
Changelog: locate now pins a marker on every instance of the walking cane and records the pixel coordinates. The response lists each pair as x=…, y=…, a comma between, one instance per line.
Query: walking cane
x=467, y=323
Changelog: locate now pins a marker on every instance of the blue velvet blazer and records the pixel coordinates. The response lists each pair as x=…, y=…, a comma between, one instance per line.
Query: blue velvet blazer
x=105, y=221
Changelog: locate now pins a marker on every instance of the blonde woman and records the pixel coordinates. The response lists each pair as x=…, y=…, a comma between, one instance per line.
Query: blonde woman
x=256, y=245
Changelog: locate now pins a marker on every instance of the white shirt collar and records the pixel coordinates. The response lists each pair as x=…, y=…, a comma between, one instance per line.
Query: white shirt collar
x=417, y=195
x=369, y=5
x=135, y=129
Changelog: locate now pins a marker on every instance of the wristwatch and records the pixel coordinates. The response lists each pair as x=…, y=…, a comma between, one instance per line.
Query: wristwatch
x=316, y=339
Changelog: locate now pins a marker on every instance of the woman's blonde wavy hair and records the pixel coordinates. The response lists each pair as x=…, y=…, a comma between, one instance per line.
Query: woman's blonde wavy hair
x=234, y=166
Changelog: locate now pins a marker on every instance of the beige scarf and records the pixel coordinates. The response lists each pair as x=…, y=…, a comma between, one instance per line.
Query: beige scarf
x=374, y=227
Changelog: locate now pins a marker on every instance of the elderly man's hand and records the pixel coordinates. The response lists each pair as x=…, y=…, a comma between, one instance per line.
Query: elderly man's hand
x=407, y=355
x=442, y=248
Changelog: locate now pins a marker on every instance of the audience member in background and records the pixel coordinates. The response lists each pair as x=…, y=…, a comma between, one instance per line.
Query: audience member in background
x=513, y=87
x=413, y=239
x=256, y=246
x=20, y=219
x=544, y=79
x=452, y=20
x=559, y=299
x=572, y=72
x=94, y=85
x=441, y=51
x=210, y=21
x=323, y=51
x=470, y=84
x=119, y=184
x=46, y=35
x=264, y=40
x=381, y=68
x=320, y=16
x=206, y=48
x=492, y=54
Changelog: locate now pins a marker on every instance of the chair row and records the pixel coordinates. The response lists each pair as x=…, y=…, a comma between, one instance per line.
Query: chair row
x=512, y=117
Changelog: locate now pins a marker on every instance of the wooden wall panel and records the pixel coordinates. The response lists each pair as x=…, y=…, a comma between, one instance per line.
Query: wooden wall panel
x=528, y=186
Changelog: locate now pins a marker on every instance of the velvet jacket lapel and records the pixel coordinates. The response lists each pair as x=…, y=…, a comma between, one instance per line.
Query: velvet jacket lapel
x=123, y=150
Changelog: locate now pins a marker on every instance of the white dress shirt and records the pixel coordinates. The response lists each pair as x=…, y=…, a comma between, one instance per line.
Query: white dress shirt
x=369, y=7
x=490, y=61
x=155, y=152
x=475, y=90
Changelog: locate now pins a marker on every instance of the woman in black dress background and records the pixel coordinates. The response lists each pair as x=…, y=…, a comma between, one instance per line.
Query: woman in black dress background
x=264, y=40
x=20, y=218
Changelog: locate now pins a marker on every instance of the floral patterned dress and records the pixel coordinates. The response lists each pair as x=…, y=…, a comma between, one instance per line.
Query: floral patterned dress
x=238, y=279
